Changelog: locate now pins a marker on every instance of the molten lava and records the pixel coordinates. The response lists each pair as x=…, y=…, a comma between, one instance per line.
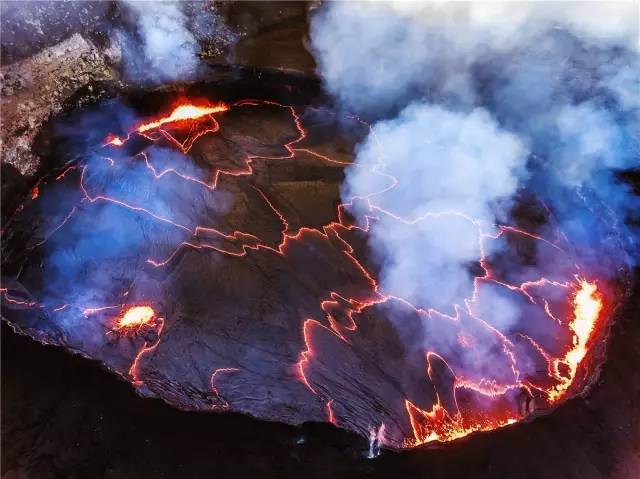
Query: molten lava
x=135, y=316
x=442, y=425
x=113, y=140
x=587, y=304
x=182, y=113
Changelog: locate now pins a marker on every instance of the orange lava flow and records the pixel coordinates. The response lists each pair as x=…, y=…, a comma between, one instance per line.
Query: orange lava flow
x=438, y=425
x=135, y=317
x=587, y=304
x=183, y=112
x=441, y=425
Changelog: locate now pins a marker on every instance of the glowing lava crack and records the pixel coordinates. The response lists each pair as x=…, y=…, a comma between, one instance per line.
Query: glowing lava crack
x=270, y=307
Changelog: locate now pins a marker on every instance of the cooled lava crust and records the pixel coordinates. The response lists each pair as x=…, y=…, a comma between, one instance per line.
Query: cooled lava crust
x=201, y=249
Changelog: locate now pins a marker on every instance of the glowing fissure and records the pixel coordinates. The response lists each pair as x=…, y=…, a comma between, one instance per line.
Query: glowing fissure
x=438, y=424
x=435, y=424
x=184, y=113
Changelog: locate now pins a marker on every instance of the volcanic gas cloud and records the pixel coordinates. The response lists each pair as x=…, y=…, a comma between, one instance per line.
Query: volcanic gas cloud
x=456, y=273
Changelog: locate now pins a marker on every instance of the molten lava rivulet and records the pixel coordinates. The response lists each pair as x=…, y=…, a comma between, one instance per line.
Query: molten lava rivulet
x=268, y=309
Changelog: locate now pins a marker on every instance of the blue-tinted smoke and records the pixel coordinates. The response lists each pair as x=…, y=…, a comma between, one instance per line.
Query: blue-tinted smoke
x=114, y=209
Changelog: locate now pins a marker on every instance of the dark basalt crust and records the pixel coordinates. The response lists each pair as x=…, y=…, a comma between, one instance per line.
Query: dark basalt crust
x=245, y=329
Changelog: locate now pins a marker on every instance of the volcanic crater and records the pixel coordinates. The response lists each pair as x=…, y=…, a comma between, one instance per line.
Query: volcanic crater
x=195, y=241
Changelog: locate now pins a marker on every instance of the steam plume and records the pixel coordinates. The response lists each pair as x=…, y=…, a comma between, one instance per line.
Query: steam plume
x=166, y=41
x=478, y=103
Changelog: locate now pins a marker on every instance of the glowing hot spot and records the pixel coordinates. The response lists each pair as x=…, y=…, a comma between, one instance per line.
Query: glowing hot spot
x=587, y=304
x=135, y=317
x=113, y=140
x=182, y=113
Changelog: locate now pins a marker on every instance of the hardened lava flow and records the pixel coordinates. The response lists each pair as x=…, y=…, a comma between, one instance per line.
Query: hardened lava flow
x=405, y=399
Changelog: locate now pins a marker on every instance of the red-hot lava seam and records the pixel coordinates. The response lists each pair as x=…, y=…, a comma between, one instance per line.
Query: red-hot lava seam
x=214, y=390
x=133, y=370
x=331, y=415
x=436, y=424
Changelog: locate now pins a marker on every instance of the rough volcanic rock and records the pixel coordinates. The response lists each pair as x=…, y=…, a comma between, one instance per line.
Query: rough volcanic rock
x=35, y=88
x=53, y=50
x=265, y=298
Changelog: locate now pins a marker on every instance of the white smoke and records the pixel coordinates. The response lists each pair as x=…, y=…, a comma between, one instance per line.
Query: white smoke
x=444, y=162
x=595, y=143
x=165, y=46
x=471, y=92
x=372, y=55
